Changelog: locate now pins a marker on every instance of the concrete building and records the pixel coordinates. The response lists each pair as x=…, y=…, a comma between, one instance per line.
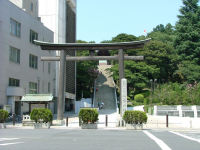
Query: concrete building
x=21, y=71
x=60, y=17
x=30, y=6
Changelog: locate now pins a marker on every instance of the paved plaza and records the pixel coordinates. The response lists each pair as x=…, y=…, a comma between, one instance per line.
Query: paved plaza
x=101, y=139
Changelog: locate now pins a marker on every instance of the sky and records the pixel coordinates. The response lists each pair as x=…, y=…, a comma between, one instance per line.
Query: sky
x=99, y=20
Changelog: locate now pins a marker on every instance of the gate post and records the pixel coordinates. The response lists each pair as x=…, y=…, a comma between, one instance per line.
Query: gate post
x=121, y=64
x=61, y=96
x=121, y=75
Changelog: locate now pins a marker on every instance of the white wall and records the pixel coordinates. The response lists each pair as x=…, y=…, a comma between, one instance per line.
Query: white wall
x=22, y=71
x=26, y=6
x=174, y=122
x=17, y=2
x=85, y=102
x=53, y=17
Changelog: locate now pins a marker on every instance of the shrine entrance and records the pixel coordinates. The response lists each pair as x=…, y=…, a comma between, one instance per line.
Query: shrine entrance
x=121, y=46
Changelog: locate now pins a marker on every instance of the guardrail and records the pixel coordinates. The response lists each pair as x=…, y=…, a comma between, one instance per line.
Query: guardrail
x=94, y=95
x=117, y=109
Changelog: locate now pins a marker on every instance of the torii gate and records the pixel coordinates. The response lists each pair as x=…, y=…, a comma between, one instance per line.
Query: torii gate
x=120, y=46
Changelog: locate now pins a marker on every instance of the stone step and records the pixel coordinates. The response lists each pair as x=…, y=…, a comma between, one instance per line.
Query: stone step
x=105, y=86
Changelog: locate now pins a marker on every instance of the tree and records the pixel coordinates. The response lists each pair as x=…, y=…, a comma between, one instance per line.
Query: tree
x=169, y=29
x=164, y=34
x=86, y=74
x=163, y=57
x=188, y=71
x=123, y=37
x=137, y=75
x=176, y=94
x=187, y=41
x=160, y=28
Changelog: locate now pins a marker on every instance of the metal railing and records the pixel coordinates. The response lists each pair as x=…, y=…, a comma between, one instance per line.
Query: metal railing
x=116, y=101
x=94, y=95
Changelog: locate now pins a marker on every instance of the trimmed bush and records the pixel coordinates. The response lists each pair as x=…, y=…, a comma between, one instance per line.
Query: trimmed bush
x=135, y=117
x=139, y=98
x=41, y=115
x=88, y=115
x=3, y=115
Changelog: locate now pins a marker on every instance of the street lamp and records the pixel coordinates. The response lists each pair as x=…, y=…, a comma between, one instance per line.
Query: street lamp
x=153, y=86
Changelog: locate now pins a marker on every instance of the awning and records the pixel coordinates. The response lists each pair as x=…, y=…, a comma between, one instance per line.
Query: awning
x=70, y=95
x=37, y=98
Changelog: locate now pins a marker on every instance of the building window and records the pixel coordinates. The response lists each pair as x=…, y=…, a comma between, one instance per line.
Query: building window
x=15, y=28
x=33, y=36
x=14, y=82
x=33, y=61
x=49, y=67
x=49, y=87
x=14, y=55
x=31, y=6
x=32, y=88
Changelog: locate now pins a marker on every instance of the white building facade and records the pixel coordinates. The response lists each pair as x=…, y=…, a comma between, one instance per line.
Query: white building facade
x=60, y=17
x=21, y=70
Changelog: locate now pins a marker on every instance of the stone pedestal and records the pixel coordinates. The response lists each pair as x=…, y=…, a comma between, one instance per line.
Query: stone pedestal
x=134, y=126
x=2, y=125
x=58, y=122
x=41, y=125
x=89, y=126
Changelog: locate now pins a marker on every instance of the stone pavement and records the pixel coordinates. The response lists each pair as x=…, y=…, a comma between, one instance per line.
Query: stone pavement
x=62, y=139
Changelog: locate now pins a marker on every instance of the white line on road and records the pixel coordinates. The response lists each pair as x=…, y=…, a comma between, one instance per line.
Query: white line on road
x=5, y=144
x=7, y=139
x=160, y=143
x=185, y=136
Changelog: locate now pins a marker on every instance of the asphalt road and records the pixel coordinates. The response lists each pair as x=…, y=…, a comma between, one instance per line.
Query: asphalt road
x=65, y=139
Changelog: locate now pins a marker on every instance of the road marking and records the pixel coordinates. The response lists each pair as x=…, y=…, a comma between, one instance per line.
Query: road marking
x=160, y=143
x=5, y=144
x=185, y=136
x=7, y=139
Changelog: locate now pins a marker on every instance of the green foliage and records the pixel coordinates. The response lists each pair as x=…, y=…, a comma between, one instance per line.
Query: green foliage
x=139, y=98
x=161, y=57
x=176, y=94
x=168, y=29
x=123, y=37
x=3, y=115
x=188, y=71
x=88, y=115
x=86, y=74
x=41, y=115
x=137, y=75
x=187, y=40
x=135, y=117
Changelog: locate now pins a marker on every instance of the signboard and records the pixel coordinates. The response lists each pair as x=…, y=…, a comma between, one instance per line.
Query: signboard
x=123, y=96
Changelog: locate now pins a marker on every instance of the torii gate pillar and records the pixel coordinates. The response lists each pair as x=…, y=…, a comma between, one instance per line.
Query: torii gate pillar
x=61, y=94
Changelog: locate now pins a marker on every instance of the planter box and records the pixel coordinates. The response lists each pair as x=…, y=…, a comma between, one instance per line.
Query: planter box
x=41, y=125
x=134, y=126
x=2, y=125
x=89, y=126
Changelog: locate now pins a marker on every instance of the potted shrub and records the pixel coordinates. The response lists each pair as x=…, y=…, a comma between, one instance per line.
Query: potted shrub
x=88, y=118
x=42, y=117
x=3, y=117
x=134, y=119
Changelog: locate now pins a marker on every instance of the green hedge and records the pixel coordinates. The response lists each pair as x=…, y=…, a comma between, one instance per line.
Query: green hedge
x=135, y=117
x=88, y=115
x=3, y=115
x=41, y=115
x=139, y=98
